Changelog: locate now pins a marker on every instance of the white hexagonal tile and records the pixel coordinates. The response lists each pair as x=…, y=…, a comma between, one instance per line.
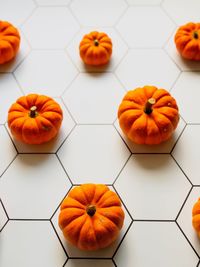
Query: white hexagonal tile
x=185, y=219
x=147, y=67
x=53, y=2
x=144, y=2
x=93, y=153
x=10, y=91
x=155, y=244
x=182, y=63
x=186, y=91
x=53, y=145
x=98, y=13
x=3, y=217
x=31, y=243
x=44, y=32
x=182, y=11
x=152, y=187
x=102, y=253
x=7, y=151
x=139, y=36
x=164, y=147
x=16, y=12
x=94, y=98
x=89, y=263
x=186, y=152
x=37, y=189
x=119, y=50
x=22, y=53
x=49, y=79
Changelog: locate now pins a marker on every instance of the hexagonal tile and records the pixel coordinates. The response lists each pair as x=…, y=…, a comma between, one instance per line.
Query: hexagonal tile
x=37, y=189
x=182, y=13
x=49, y=79
x=164, y=147
x=10, y=91
x=13, y=12
x=144, y=2
x=186, y=152
x=102, y=253
x=98, y=98
x=183, y=64
x=31, y=243
x=147, y=67
x=119, y=50
x=93, y=153
x=90, y=12
x=22, y=53
x=3, y=217
x=53, y=2
x=48, y=32
x=157, y=179
x=89, y=263
x=53, y=145
x=155, y=244
x=140, y=36
x=7, y=152
x=185, y=219
x=186, y=92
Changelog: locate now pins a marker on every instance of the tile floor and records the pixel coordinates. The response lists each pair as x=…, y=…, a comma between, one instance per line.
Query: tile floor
x=158, y=185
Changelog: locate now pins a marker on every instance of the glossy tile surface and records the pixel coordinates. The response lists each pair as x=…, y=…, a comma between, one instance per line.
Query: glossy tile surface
x=158, y=184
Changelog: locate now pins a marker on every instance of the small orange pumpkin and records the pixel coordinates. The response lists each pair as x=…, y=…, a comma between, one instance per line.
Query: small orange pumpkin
x=187, y=40
x=34, y=119
x=91, y=216
x=9, y=41
x=148, y=115
x=196, y=216
x=95, y=48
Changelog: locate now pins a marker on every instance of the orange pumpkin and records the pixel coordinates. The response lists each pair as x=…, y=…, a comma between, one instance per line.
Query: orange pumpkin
x=34, y=119
x=91, y=216
x=9, y=41
x=148, y=115
x=196, y=216
x=95, y=48
x=187, y=40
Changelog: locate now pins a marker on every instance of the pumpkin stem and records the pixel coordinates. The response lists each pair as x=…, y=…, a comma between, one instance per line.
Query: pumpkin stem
x=33, y=112
x=96, y=42
x=196, y=35
x=91, y=209
x=148, y=107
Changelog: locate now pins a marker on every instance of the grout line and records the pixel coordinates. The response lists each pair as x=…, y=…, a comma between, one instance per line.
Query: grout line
x=178, y=139
x=121, y=169
x=90, y=258
x=167, y=14
x=4, y=226
x=187, y=239
x=29, y=16
x=11, y=139
x=181, y=169
x=113, y=261
x=8, y=166
x=65, y=139
x=59, y=239
x=4, y=209
x=122, y=240
x=65, y=262
x=176, y=219
x=64, y=169
x=28, y=219
x=122, y=139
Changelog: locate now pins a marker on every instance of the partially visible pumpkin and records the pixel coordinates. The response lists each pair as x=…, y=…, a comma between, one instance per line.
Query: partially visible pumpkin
x=95, y=48
x=35, y=119
x=148, y=115
x=91, y=216
x=9, y=41
x=196, y=216
x=187, y=40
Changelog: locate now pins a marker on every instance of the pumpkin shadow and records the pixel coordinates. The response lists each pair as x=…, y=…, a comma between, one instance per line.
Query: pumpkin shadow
x=33, y=159
x=153, y=161
x=103, y=253
x=8, y=67
x=48, y=147
x=96, y=69
x=191, y=64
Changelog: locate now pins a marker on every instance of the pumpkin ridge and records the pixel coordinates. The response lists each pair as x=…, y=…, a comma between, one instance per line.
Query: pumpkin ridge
x=159, y=127
x=91, y=228
x=100, y=212
x=97, y=200
x=86, y=197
